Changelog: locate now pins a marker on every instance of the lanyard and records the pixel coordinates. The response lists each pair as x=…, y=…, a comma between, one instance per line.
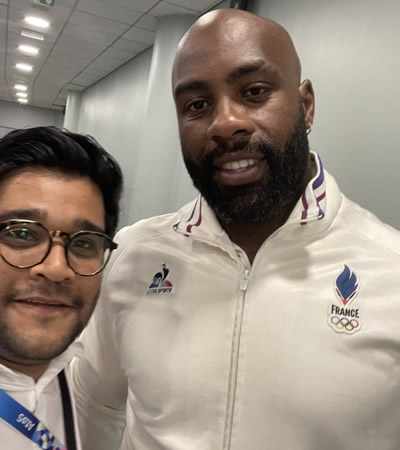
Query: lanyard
x=67, y=412
x=30, y=426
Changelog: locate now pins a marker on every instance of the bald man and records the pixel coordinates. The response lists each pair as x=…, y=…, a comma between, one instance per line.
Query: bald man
x=264, y=314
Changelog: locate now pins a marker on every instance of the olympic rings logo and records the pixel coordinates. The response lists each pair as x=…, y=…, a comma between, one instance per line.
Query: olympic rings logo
x=344, y=323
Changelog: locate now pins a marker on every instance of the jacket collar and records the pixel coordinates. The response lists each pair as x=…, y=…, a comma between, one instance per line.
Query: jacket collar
x=197, y=220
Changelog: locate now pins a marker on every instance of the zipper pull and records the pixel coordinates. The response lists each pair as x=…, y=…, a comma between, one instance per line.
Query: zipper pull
x=244, y=279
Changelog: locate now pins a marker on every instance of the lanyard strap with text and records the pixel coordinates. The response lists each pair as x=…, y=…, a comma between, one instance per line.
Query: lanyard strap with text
x=30, y=426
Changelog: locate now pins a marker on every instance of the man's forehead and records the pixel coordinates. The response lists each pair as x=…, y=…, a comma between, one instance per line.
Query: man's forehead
x=234, y=21
x=49, y=196
x=228, y=35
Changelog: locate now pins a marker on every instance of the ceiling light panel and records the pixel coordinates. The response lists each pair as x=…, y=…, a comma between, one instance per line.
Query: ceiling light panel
x=32, y=34
x=37, y=22
x=28, y=49
x=24, y=67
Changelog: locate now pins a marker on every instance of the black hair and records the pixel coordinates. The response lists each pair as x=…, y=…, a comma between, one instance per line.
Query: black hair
x=70, y=153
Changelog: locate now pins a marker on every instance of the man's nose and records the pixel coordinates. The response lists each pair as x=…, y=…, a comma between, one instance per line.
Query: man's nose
x=230, y=120
x=55, y=266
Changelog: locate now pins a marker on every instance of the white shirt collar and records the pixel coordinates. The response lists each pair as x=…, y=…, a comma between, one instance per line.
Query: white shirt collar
x=10, y=380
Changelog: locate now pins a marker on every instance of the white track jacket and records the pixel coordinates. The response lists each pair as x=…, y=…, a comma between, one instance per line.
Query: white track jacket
x=193, y=348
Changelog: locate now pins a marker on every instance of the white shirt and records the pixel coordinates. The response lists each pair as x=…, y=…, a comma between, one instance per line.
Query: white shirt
x=42, y=398
x=195, y=349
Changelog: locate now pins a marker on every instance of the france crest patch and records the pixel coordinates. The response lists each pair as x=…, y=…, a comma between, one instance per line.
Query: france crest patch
x=341, y=317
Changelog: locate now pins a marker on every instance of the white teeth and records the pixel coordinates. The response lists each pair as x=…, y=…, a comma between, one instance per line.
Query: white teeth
x=28, y=300
x=236, y=165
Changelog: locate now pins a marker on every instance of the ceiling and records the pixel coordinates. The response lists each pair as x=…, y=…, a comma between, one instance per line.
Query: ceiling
x=86, y=40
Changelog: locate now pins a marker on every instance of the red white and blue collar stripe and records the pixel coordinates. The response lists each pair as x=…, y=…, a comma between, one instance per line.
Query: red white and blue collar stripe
x=314, y=197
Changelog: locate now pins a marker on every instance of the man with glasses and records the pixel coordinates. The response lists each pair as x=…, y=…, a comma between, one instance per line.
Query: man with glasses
x=59, y=204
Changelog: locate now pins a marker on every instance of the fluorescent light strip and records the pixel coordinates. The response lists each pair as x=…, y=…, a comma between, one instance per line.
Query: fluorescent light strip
x=28, y=49
x=37, y=22
x=20, y=87
x=24, y=67
x=32, y=34
x=23, y=100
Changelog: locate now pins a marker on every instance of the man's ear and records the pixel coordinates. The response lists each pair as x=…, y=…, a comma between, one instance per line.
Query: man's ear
x=308, y=101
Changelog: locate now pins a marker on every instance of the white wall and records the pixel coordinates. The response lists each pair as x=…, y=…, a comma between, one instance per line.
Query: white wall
x=112, y=112
x=158, y=186
x=14, y=115
x=350, y=51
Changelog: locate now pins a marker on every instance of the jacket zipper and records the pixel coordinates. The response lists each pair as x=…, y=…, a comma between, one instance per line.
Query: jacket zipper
x=244, y=279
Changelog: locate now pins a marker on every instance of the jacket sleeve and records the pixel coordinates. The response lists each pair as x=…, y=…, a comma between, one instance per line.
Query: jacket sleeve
x=98, y=383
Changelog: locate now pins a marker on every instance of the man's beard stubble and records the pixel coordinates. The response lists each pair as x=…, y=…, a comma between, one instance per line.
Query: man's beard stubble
x=19, y=346
x=262, y=200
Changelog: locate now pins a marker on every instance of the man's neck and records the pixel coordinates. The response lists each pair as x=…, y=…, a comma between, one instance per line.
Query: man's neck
x=251, y=236
x=35, y=370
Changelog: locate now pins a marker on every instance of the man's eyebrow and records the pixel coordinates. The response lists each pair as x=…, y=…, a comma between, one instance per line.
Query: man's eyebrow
x=189, y=86
x=40, y=215
x=244, y=70
x=30, y=214
x=236, y=73
x=87, y=225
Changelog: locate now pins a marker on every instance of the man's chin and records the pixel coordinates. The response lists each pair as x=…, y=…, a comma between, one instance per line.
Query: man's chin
x=37, y=347
x=239, y=204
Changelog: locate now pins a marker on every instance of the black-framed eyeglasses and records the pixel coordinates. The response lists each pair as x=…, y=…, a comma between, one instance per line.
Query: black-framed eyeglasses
x=26, y=243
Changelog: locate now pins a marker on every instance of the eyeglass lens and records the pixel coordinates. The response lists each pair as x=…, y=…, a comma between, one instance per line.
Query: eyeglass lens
x=27, y=244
